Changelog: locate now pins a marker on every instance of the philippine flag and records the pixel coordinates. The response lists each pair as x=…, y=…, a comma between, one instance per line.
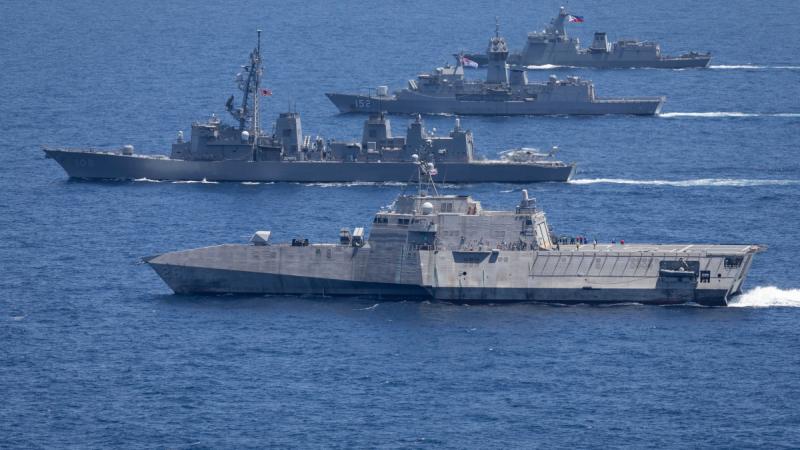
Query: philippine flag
x=575, y=19
x=466, y=62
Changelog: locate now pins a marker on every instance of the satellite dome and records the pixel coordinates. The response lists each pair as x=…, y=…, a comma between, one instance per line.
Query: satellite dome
x=427, y=208
x=245, y=136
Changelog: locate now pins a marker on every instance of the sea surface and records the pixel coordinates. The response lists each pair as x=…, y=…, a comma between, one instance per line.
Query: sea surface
x=95, y=351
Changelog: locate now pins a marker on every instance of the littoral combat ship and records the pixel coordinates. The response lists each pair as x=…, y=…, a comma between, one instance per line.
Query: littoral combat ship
x=448, y=248
x=552, y=46
x=504, y=92
x=220, y=152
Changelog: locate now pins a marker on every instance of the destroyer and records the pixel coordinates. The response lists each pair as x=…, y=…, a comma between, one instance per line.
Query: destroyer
x=504, y=92
x=448, y=248
x=553, y=46
x=220, y=152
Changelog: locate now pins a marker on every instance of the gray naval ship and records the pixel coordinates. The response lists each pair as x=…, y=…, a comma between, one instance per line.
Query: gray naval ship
x=553, y=46
x=243, y=152
x=448, y=248
x=504, y=92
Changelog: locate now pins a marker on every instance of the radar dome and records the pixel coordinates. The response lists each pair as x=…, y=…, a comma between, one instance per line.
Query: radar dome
x=427, y=208
x=245, y=136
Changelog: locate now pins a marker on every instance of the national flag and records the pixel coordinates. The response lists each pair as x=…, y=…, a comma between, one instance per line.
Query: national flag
x=266, y=92
x=433, y=172
x=466, y=62
x=575, y=19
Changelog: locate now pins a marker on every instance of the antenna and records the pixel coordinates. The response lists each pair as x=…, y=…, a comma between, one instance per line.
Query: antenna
x=496, y=26
x=257, y=91
x=425, y=174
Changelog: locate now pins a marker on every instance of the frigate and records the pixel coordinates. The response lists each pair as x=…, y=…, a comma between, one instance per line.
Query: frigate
x=428, y=246
x=552, y=46
x=505, y=91
x=244, y=152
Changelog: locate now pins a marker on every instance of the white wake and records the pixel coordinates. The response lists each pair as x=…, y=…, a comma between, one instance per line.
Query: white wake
x=729, y=182
x=751, y=67
x=203, y=181
x=715, y=114
x=767, y=296
x=546, y=67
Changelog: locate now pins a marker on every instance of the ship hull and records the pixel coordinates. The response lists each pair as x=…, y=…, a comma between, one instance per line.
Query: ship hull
x=602, y=61
x=350, y=103
x=558, y=277
x=113, y=166
x=213, y=281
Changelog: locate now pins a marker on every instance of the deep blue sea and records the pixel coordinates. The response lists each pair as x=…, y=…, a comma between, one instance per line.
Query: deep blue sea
x=95, y=351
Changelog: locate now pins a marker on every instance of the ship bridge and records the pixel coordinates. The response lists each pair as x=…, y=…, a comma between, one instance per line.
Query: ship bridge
x=458, y=222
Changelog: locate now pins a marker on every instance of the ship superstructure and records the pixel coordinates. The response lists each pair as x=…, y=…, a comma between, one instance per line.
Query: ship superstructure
x=553, y=46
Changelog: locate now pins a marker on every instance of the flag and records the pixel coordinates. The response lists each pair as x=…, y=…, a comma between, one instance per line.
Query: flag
x=575, y=19
x=466, y=62
x=266, y=92
x=433, y=172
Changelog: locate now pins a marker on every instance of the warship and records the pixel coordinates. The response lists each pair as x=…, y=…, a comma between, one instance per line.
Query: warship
x=553, y=46
x=244, y=152
x=505, y=91
x=427, y=246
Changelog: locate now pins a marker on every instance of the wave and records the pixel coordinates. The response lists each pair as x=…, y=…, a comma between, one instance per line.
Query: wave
x=256, y=183
x=203, y=181
x=751, y=66
x=356, y=183
x=146, y=180
x=547, y=67
x=369, y=308
x=731, y=182
x=766, y=297
x=715, y=114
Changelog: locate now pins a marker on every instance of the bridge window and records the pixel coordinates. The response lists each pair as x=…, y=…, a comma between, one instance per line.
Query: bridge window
x=732, y=262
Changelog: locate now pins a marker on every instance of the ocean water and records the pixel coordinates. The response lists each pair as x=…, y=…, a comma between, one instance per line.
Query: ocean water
x=96, y=352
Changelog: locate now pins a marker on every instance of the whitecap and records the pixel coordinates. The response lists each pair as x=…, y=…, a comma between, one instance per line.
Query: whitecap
x=203, y=181
x=546, y=67
x=369, y=308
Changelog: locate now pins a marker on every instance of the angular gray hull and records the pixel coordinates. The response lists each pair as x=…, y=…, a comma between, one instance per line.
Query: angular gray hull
x=197, y=280
x=562, y=277
x=96, y=165
x=350, y=103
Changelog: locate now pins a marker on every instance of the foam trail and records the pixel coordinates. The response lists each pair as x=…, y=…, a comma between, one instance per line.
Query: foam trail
x=766, y=297
x=369, y=308
x=146, y=180
x=751, y=67
x=716, y=114
x=547, y=67
x=356, y=183
x=726, y=182
x=203, y=181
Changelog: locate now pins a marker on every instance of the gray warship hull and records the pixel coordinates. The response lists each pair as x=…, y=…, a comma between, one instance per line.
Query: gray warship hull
x=604, y=275
x=602, y=61
x=351, y=103
x=83, y=164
